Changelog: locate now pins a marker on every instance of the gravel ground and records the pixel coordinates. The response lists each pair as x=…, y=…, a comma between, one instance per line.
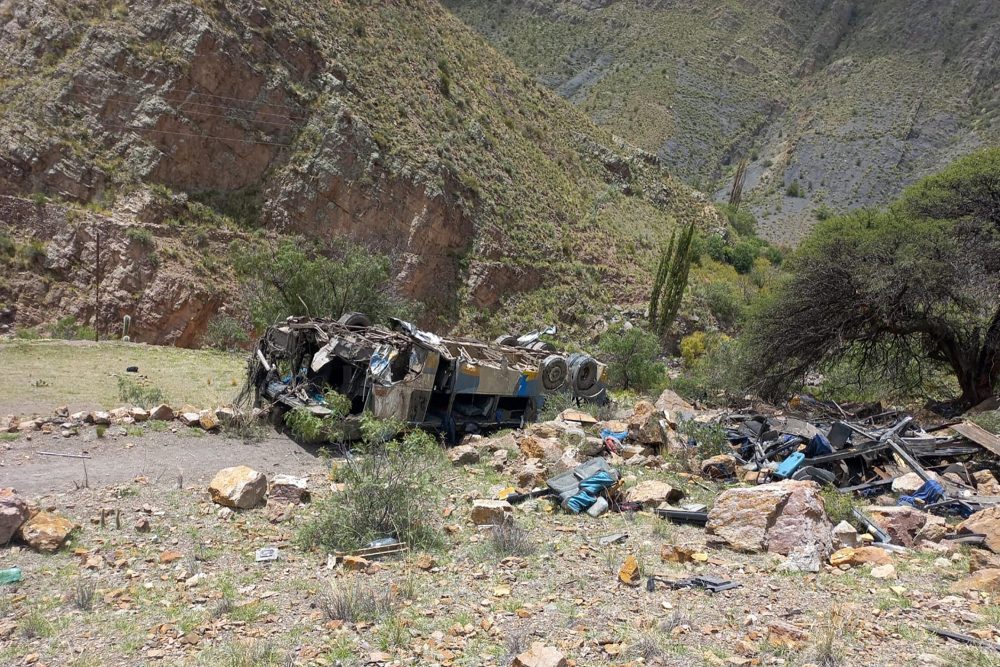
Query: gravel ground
x=214, y=605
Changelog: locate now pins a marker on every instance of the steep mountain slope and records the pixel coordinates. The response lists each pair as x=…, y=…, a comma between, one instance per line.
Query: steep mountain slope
x=201, y=121
x=850, y=99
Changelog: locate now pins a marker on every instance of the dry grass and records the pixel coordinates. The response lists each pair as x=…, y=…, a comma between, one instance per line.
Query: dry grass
x=41, y=375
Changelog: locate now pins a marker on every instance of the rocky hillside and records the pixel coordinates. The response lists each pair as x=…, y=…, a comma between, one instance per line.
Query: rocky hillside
x=835, y=103
x=170, y=128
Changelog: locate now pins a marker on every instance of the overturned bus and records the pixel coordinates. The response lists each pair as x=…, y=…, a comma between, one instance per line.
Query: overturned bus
x=453, y=385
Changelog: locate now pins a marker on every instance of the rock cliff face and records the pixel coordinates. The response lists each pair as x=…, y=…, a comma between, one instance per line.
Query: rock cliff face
x=840, y=101
x=174, y=127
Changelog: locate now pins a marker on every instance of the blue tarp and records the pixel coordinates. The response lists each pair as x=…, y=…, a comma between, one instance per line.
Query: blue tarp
x=589, y=490
x=929, y=493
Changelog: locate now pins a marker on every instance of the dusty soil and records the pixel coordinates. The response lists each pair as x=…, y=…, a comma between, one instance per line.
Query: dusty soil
x=472, y=608
x=122, y=455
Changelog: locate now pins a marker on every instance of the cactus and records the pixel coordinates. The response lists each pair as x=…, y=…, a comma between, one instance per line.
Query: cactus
x=126, y=322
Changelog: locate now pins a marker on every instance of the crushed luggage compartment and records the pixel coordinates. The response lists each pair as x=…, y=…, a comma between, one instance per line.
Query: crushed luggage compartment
x=452, y=385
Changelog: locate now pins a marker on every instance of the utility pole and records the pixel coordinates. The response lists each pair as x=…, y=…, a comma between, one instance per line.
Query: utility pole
x=97, y=283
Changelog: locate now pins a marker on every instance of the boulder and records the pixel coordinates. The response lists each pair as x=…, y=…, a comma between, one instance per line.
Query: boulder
x=79, y=416
x=13, y=513
x=540, y=655
x=886, y=571
x=647, y=426
x=845, y=535
x=573, y=437
x=544, y=449
x=983, y=560
x=591, y=446
x=986, y=483
x=207, y=420
x=669, y=401
x=138, y=414
x=28, y=425
x=225, y=416
x=987, y=580
x=785, y=517
x=935, y=529
x=45, y=531
x=289, y=489
x=722, y=466
x=463, y=455
x=239, y=487
x=8, y=424
x=189, y=418
x=987, y=522
x=499, y=459
x=651, y=493
x=491, y=512
x=860, y=556
x=547, y=430
x=911, y=482
x=355, y=563
x=901, y=522
x=531, y=474
x=162, y=412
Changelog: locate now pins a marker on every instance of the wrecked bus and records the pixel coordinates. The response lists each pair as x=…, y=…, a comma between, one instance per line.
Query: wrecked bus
x=452, y=385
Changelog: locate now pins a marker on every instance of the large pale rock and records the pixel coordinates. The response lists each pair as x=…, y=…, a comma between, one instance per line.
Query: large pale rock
x=669, y=401
x=591, y=446
x=162, y=412
x=845, y=535
x=647, y=426
x=189, y=418
x=651, y=493
x=289, y=489
x=138, y=414
x=13, y=513
x=207, y=420
x=986, y=521
x=239, y=487
x=983, y=560
x=901, y=522
x=986, y=483
x=786, y=517
x=544, y=449
x=722, y=466
x=531, y=474
x=911, y=482
x=540, y=655
x=491, y=512
x=987, y=580
x=46, y=531
x=463, y=455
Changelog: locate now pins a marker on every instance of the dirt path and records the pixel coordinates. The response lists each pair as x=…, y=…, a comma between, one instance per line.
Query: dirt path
x=118, y=458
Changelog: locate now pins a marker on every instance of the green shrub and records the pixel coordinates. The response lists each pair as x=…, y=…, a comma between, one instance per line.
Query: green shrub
x=742, y=256
x=631, y=359
x=794, y=190
x=693, y=347
x=225, y=333
x=140, y=235
x=742, y=220
x=725, y=304
x=66, y=328
x=389, y=488
x=132, y=392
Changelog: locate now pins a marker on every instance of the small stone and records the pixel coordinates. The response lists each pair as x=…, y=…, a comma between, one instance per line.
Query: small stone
x=142, y=525
x=942, y=563
x=845, y=535
x=887, y=571
x=986, y=483
x=491, y=512
x=722, y=466
x=425, y=562
x=207, y=420
x=169, y=556
x=355, y=563
x=100, y=418
x=162, y=412
x=540, y=655
x=189, y=418
x=463, y=455
x=651, y=493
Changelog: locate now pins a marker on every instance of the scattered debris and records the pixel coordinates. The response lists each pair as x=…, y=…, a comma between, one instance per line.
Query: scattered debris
x=266, y=555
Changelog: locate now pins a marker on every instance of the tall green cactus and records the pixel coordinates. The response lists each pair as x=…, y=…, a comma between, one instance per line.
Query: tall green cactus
x=670, y=281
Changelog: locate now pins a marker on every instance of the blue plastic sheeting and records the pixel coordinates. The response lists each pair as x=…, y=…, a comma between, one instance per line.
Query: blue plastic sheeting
x=617, y=435
x=929, y=493
x=589, y=490
x=789, y=465
x=818, y=446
